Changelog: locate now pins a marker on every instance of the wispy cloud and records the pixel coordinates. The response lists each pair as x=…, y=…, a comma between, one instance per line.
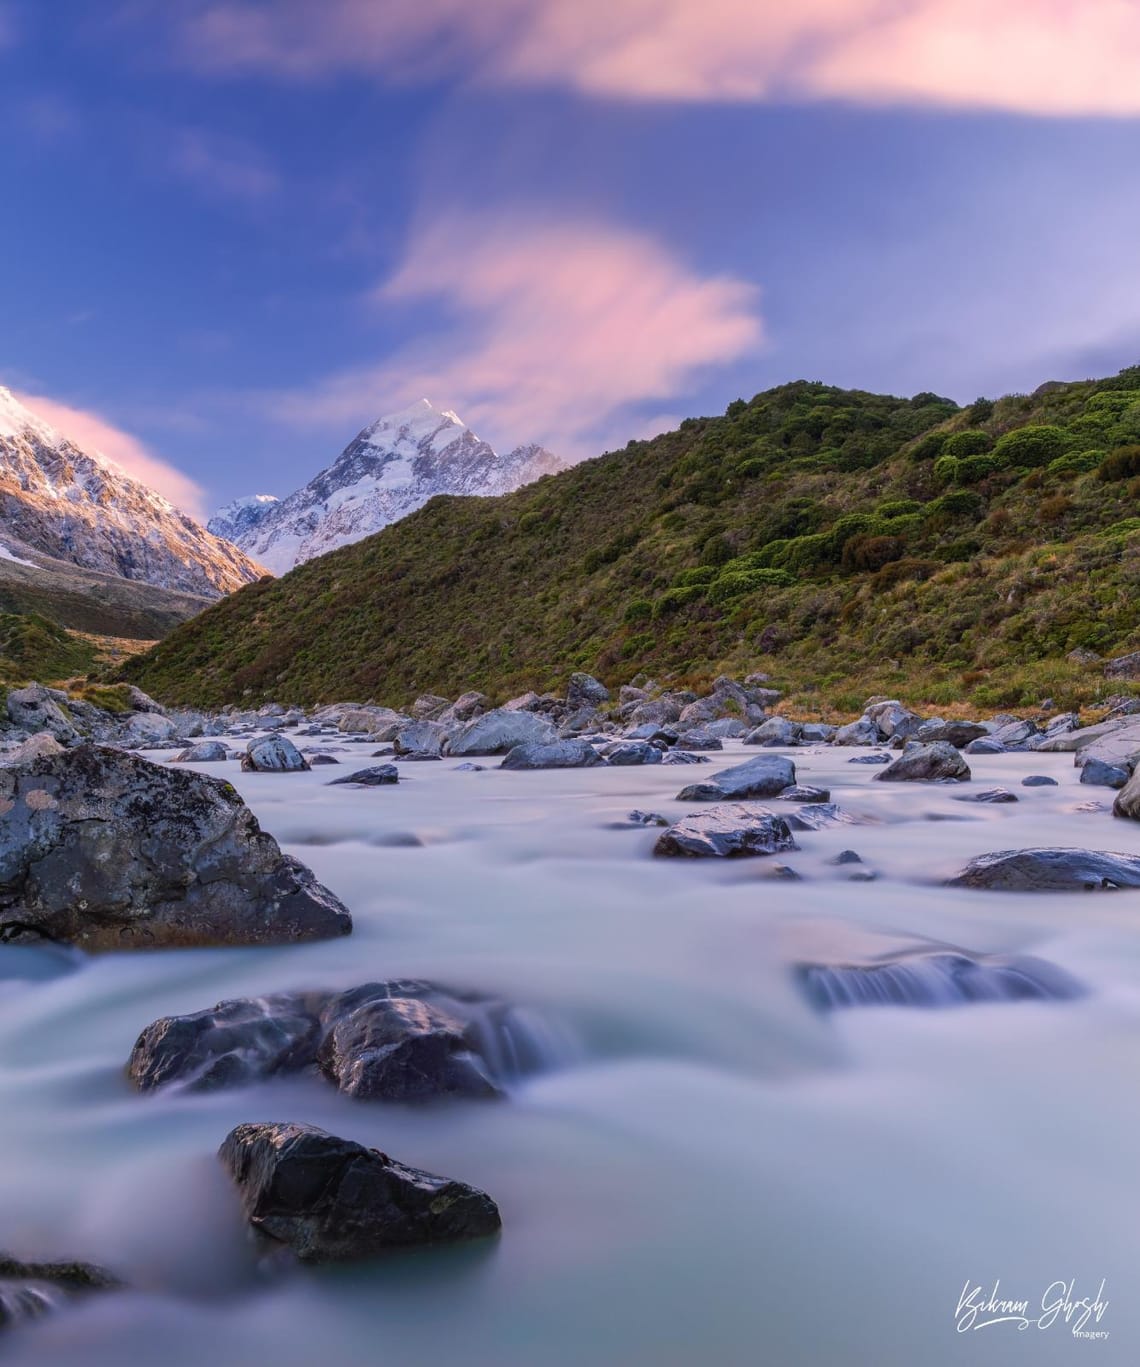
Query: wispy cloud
x=560, y=333
x=99, y=437
x=227, y=167
x=1049, y=57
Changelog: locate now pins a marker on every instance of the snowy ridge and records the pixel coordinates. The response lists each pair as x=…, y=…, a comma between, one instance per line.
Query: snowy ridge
x=83, y=509
x=389, y=470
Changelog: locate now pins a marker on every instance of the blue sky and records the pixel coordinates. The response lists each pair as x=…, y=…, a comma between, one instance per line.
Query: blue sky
x=236, y=231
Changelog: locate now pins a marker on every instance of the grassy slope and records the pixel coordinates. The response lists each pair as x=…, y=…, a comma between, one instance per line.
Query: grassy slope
x=843, y=542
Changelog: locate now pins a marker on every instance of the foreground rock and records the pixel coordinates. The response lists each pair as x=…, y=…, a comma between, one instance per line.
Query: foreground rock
x=936, y=980
x=332, y=1200
x=29, y=1290
x=939, y=762
x=395, y=1041
x=273, y=755
x=726, y=832
x=1050, y=870
x=105, y=850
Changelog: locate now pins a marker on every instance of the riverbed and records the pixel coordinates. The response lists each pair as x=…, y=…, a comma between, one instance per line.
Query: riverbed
x=707, y=1170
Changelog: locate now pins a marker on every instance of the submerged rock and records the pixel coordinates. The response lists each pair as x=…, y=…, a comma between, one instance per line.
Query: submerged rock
x=1050, y=870
x=273, y=755
x=991, y=795
x=559, y=754
x=105, y=850
x=373, y=777
x=331, y=1199
x=939, y=762
x=727, y=832
x=391, y=1041
x=29, y=1290
x=936, y=980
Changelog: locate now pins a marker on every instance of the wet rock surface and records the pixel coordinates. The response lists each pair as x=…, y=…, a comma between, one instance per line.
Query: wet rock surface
x=376, y=776
x=31, y=1289
x=939, y=762
x=273, y=755
x=726, y=832
x=936, y=980
x=104, y=850
x=332, y=1200
x=1050, y=870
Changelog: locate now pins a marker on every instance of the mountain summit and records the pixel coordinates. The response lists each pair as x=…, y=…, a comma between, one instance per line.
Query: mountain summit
x=393, y=467
x=80, y=508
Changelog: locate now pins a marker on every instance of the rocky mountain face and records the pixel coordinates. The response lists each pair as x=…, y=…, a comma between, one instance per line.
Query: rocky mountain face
x=389, y=470
x=79, y=508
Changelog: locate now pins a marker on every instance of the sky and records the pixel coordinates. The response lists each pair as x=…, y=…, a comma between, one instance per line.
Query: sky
x=235, y=231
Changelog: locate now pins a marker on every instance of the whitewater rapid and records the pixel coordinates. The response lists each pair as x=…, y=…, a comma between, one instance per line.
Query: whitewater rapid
x=709, y=1169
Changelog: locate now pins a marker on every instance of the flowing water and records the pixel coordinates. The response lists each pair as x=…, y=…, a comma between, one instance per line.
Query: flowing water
x=708, y=1168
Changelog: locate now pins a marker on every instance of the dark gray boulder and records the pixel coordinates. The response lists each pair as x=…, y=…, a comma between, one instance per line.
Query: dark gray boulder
x=272, y=755
x=991, y=795
x=1050, y=870
x=205, y=752
x=701, y=792
x=803, y=792
x=105, y=850
x=726, y=832
x=817, y=816
x=584, y=690
x=956, y=733
x=1127, y=802
x=333, y=1200
x=632, y=752
x=376, y=776
x=499, y=731
x=939, y=762
x=984, y=745
x=760, y=776
x=937, y=979
x=876, y=758
x=683, y=757
x=1101, y=775
x=1038, y=781
x=559, y=754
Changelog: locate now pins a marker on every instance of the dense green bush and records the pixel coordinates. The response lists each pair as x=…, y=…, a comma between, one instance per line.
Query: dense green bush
x=1029, y=447
x=734, y=583
x=968, y=443
x=702, y=574
x=1075, y=463
x=640, y=610
x=673, y=600
x=1123, y=463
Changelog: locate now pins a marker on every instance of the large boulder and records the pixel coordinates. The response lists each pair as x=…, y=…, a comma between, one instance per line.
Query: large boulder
x=36, y=708
x=627, y=752
x=1119, y=748
x=891, y=718
x=775, y=731
x=204, y=752
x=861, y=732
x=1123, y=667
x=273, y=755
x=937, y=763
x=558, y=754
x=584, y=690
x=420, y=738
x=393, y=1041
x=1127, y=802
x=498, y=731
x=1050, y=870
x=105, y=850
x=429, y=707
x=956, y=733
x=726, y=832
x=147, y=729
x=465, y=707
x=1098, y=774
x=330, y=1199
x=760, y=776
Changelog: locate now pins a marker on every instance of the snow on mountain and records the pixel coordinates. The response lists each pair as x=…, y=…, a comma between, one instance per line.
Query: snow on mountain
x=391, y=468
x=81, y=508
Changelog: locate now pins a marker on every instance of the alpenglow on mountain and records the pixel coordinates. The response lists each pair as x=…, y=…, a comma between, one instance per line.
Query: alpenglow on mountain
x=389, y=470
x=80, y=508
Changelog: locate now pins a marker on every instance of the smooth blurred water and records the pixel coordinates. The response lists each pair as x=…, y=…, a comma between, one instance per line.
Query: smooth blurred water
x=713, y=1172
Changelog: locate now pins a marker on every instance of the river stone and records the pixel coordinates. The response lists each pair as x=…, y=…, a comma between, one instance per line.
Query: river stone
x=939, y=979
x=465, y=707
x=1038, y=781
x=499, y=731
x=332, y=1200
x=956, y=733
x=984, y=745
x=429, y=706
x=315, y=761
x=273, y=755
x=584, y=690
x=1050, y=870
x=816, y=816
x=420, y=738
x=876, y=758
x=995, y=795
x=727, y=832
x=148, y=730
x=802, y=792
x=1101, y=775
x=774, y=731
x=936, y=763
x=105, y=850
x=759, y=776
x=632, y=752
x=372, y=777
x=683, y=757
x=559, y=754
x=700, y=739
x=29, y=1290
x=37, y=708
x=1127, y=802
x=861, y=732
x=205, y=752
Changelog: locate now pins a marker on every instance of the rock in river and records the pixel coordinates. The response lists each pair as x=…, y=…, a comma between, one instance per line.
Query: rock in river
x=105, y=850
x=935, y=980
x=331, y=1199
x=727, y=832
x=1050, y=870
x=497, y=732
x=939, y=762
x=29, y=1290
x=559, y=754
x=761, y=776
x=374, y=777
x=273, y=755
x=1127, y=802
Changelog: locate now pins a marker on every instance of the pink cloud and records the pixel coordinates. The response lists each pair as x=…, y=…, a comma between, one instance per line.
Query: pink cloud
x=1035, y=56
x=559, y=331
x=116, y=448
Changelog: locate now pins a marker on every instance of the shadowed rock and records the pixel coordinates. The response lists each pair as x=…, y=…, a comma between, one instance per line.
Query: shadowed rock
x=105, y=850
x=29, y=1290
x=374, y=777
x=497, y=732
x=273, y=755
x=726, y=832
x=333, y=1200
x=937, y=980
x=1127, y=803
x=761, y=776
x=1050, y=870
x=559, y=754
x=632, y=752
x=936, y=763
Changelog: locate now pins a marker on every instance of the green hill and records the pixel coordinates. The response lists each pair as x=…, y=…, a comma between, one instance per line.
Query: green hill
x=841, y=541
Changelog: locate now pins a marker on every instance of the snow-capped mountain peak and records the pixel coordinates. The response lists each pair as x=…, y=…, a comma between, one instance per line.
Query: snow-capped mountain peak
x=79, y=507
x=391, y=468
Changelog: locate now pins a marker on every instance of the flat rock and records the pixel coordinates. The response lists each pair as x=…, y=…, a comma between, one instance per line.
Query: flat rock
x=727, y=832
x=760, y=776
x=105, y=850
x=375, y=776
x=876, y=758
x=499, y=731
x=939, y=762
x=994, y=795
x=559, y=754
x=205, y=752
x=1050, y=870
x=332, y=1200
